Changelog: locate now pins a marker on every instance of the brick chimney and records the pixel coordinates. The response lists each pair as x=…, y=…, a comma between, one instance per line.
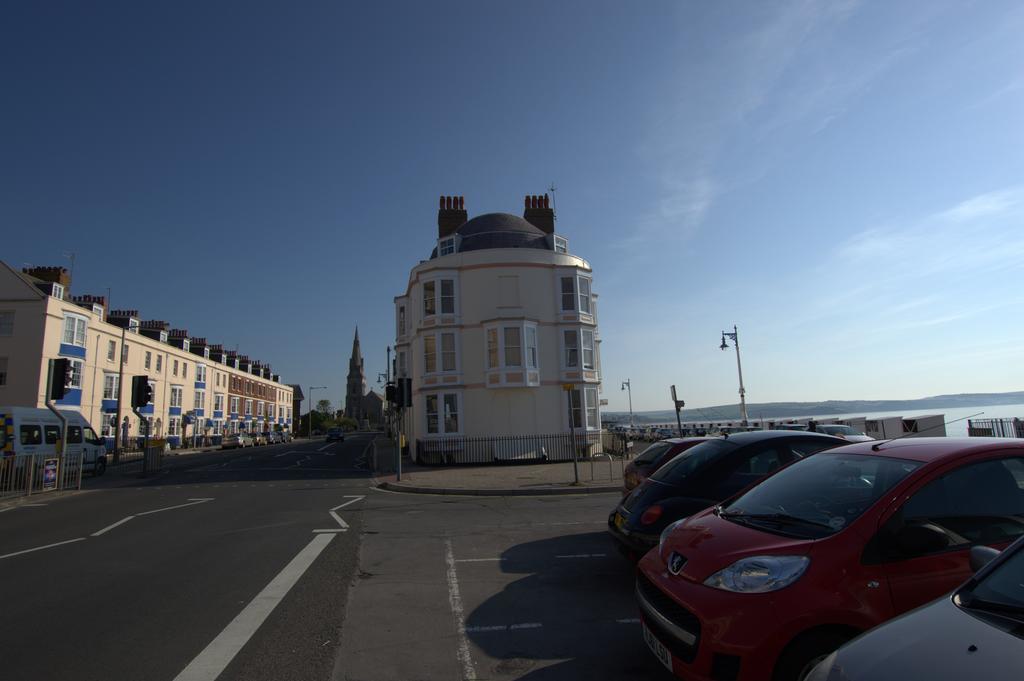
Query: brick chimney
x=538, y=213
x=88, y=301
x=451, y=214
x=122, y=318
x=154, y=328
x=54, y=275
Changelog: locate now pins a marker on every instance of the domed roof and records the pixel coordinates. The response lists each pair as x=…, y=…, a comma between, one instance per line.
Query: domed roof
x=499, y=230
x=497, y=222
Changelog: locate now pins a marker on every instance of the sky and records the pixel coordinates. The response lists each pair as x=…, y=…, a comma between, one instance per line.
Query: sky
x=842, y=180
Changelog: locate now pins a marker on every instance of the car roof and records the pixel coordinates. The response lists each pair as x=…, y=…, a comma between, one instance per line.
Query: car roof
x=683, y=440
x=762, y=435
x=932, y=449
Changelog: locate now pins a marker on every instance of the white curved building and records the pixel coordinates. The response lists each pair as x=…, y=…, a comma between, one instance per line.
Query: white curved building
x=493, y=325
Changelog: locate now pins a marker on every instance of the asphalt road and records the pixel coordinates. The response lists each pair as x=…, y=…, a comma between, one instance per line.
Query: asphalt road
x=216, y=571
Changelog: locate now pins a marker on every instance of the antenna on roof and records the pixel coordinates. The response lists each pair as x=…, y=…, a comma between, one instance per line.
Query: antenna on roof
x=875, y=447
x=70, y=256
x=554, y=205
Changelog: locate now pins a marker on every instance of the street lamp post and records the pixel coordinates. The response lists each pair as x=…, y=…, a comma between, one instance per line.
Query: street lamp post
x=734, y=336
x=629, y=391
x=309, y=431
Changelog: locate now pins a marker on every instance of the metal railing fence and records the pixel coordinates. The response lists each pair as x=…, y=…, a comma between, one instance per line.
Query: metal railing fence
x=28, y=474
x=995, y=428
x=455, y=450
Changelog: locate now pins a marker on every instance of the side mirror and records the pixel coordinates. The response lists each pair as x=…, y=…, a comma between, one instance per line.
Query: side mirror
x=981, y=556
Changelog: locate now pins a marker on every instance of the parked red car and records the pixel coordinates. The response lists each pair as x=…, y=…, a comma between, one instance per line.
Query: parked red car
x=653, y=458
x=768, y=584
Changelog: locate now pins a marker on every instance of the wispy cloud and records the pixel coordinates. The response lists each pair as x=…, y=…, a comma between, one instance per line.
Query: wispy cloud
x=984, y=205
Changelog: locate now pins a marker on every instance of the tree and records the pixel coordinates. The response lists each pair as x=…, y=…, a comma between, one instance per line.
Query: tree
x=325, y=408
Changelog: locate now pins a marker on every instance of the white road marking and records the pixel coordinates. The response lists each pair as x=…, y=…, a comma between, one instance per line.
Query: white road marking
x=33, y=505
x=192, y=502
x=40, y=548
x=9, y=508
x=584, y=555
x=629, y=620
x=352, y=498
x=455, y=601
x=209, y=664
x=478, y=560
x=329, y=444
x=504, y=627
x=337, y=517
x=108, y=528
x=333, y=529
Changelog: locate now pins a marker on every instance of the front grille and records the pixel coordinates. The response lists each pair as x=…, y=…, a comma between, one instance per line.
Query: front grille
x=682, y=618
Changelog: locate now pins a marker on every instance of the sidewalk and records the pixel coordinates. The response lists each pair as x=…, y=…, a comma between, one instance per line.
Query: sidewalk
x=596, y=476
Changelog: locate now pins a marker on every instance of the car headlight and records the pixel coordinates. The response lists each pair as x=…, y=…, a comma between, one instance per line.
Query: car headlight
x=759, y=574
x=665, y=533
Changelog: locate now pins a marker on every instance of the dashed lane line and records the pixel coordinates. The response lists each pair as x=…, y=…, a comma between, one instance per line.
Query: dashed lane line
x=108, y=528
x=455, y=602
x=40, y=548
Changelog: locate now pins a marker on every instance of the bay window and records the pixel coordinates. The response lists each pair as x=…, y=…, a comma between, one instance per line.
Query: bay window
x=447, y=296
x=429, y=354
x=74, y=330
x=513, y=346
x=575, y=294
x=429, y=303
x=531, y=347
x=442, y=342
x=572, y=350
x=578, y=349
x=588, y=348
x=447, y=352
x=492, y=348
x=506, y=348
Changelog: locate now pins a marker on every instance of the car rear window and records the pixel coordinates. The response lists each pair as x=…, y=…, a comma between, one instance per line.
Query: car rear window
x=690, y=461
x=652, y=453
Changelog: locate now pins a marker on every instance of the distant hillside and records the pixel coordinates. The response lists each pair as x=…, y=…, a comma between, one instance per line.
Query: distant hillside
x=772, y=410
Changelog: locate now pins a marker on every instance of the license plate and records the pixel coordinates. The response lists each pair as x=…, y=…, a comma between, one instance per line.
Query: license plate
x=619, y=521
x=660, y=651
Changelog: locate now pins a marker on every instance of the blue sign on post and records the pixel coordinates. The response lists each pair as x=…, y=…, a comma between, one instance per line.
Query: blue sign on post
x=188, y=419
x=50, y=474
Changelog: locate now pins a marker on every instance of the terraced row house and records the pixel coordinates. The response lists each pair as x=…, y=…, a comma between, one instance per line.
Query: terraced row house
x=200, y=389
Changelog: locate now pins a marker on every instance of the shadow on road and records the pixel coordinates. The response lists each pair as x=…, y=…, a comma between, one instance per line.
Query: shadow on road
x=584, y=604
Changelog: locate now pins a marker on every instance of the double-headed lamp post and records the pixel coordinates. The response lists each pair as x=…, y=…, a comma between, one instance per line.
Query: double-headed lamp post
x=629, y=391
x=734, y=336
x=309, y=431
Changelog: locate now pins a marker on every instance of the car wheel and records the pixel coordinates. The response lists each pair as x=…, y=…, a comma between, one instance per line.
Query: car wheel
x=100, y=468
x=804, y=652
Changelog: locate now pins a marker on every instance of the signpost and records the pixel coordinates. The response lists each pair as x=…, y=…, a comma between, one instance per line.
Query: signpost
x=679, y=404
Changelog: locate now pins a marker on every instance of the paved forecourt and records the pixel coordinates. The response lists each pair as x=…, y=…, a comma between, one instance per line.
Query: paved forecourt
x=490, y=588
x=232, y=566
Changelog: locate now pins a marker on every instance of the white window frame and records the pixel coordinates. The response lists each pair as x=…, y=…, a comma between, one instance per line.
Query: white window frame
x=159, y=363
x=580, y=299
x=218, y=402
x=441, y=400
x=176, y=395
x=111, y=386
x=233, y=402
x=560, y=244
x=259, y=409
x=448, y=245
x=111, y=351
x=199, y=399
x=585, y=408
x=248, y=408
x=201, y=373
x=57, y=291
x=78, y=329
x=585, y=347
x=497, y=332
x=401, y=320
x=437, y=300
x=147, y=360
x=77, y=367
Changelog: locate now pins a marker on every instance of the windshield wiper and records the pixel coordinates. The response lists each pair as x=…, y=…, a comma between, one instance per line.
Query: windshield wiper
x=781, y=518
x=1008, y=610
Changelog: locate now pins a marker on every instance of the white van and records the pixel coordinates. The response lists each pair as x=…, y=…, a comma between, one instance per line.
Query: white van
x=27, y=430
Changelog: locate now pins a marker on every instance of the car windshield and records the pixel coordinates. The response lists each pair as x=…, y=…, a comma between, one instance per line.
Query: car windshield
x=652, y=453
x=1002, y=588
x=827, y=491
x=838, y=430
x=686, y=463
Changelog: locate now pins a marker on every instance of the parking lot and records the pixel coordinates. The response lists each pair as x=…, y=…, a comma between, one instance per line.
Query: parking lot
x=481, y=588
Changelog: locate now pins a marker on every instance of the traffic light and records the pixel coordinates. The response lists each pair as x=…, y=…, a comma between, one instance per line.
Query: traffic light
x=403, y=392
x=389, y=393
x=142, y=391
x=60, y=378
